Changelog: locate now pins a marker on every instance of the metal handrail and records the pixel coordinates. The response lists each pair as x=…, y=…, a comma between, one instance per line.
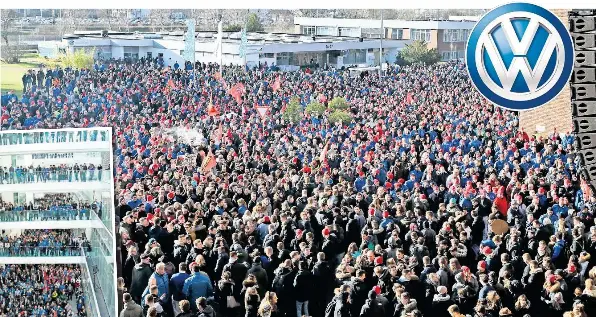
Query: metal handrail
x=90, y=278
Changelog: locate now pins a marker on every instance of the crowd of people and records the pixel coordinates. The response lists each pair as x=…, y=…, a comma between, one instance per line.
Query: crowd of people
x=52, y=206
x=41, y=243
x=41, y=290
x=430, y=201
x=51, y=173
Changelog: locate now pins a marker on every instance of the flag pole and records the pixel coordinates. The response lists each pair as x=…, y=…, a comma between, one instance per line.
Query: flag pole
x=245, y=24
x=220, y=30
x=381, y=47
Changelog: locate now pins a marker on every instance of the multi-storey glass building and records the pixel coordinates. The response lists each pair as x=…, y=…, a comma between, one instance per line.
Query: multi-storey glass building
x=56, y=206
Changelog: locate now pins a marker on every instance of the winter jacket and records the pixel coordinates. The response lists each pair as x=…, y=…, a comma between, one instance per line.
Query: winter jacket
x=304, y=283
x=372, y=308
x=259, y=272
x=342, y=307
x=131, y=309
x=198, y=285
x=140, y=279
x=207, y=312
x=440, y=304
x=177, y=284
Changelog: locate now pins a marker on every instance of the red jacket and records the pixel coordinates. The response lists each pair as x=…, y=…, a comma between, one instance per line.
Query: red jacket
x=502, y=204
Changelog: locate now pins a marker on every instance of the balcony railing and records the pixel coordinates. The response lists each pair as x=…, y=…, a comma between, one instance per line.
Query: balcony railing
x=55, y=137
x=61, y=175
x=48, y=215
x=36, y=251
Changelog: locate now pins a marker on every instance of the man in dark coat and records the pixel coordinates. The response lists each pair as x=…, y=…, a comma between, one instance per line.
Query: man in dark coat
x=323, y=274
x=372, y=307
x=359, y=292
x=304, y=283
x=129, y=264
x=140, y=277
x=259, y=272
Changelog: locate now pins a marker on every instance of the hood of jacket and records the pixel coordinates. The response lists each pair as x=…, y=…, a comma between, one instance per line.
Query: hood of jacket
x=208, y=311
x=441, y=297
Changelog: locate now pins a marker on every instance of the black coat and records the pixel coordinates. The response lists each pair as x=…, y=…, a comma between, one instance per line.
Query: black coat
x=342, y=308
x=140, y=279
x=238, y=272
x=372, y=308
x=323, y=274
x=259, y=272
x=359, y=295
x=440, y=305
x=304, y=283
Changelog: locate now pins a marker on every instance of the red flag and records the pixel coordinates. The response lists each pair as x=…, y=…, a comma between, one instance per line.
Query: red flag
x=237, y=91
x=209, y=163
x=218, y=134
x=323, y=156
x=211, y=110
x=276, y=84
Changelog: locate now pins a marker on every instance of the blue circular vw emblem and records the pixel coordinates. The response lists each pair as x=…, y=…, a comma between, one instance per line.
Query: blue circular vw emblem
x=519, y=56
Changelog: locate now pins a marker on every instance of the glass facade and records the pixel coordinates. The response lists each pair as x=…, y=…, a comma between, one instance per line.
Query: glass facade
x=32, y=137
x=7, y=250
x=354, y=57
x=20, y=175
x=81, y=156
x=63, y=213
x=100, y=260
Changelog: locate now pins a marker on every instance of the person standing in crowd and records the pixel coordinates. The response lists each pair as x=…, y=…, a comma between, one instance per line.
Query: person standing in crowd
x=421, y=176
x=131, y=309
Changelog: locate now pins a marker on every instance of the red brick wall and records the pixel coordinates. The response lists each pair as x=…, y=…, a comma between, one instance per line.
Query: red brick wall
x=555, y=114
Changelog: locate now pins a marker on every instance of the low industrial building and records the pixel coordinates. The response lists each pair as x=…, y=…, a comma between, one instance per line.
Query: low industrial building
x=283, y=50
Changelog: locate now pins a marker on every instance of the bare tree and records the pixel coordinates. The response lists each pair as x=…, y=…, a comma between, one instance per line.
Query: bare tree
x=10, y=36
x=107, y=15
x=159, y=17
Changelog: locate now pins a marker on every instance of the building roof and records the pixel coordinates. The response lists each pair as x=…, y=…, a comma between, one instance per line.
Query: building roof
x=210, y=36
x=376, y=24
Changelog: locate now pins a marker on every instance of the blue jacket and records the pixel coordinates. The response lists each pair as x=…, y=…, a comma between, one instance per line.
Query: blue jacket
x=558, y=249
x=177, y=285
x=198, y=285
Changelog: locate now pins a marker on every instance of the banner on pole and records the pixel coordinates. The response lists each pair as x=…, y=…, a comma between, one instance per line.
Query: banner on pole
x=243, y=42
x=189, y=41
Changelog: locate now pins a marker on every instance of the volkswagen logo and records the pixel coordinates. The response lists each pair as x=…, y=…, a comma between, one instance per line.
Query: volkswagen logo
x=519, y=56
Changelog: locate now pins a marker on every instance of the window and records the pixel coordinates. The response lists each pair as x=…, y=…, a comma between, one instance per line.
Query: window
x=372, y=33
x=283, y=58
x=455, y=35
x=352, y=32
x=325, y=30
x=308, y=30
x=465, y=35
x=266, y=55
x=133, y=56
x=355, y=57
x=451, y=55
x=420, y=35
x=397, y=34
x=150, y=55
